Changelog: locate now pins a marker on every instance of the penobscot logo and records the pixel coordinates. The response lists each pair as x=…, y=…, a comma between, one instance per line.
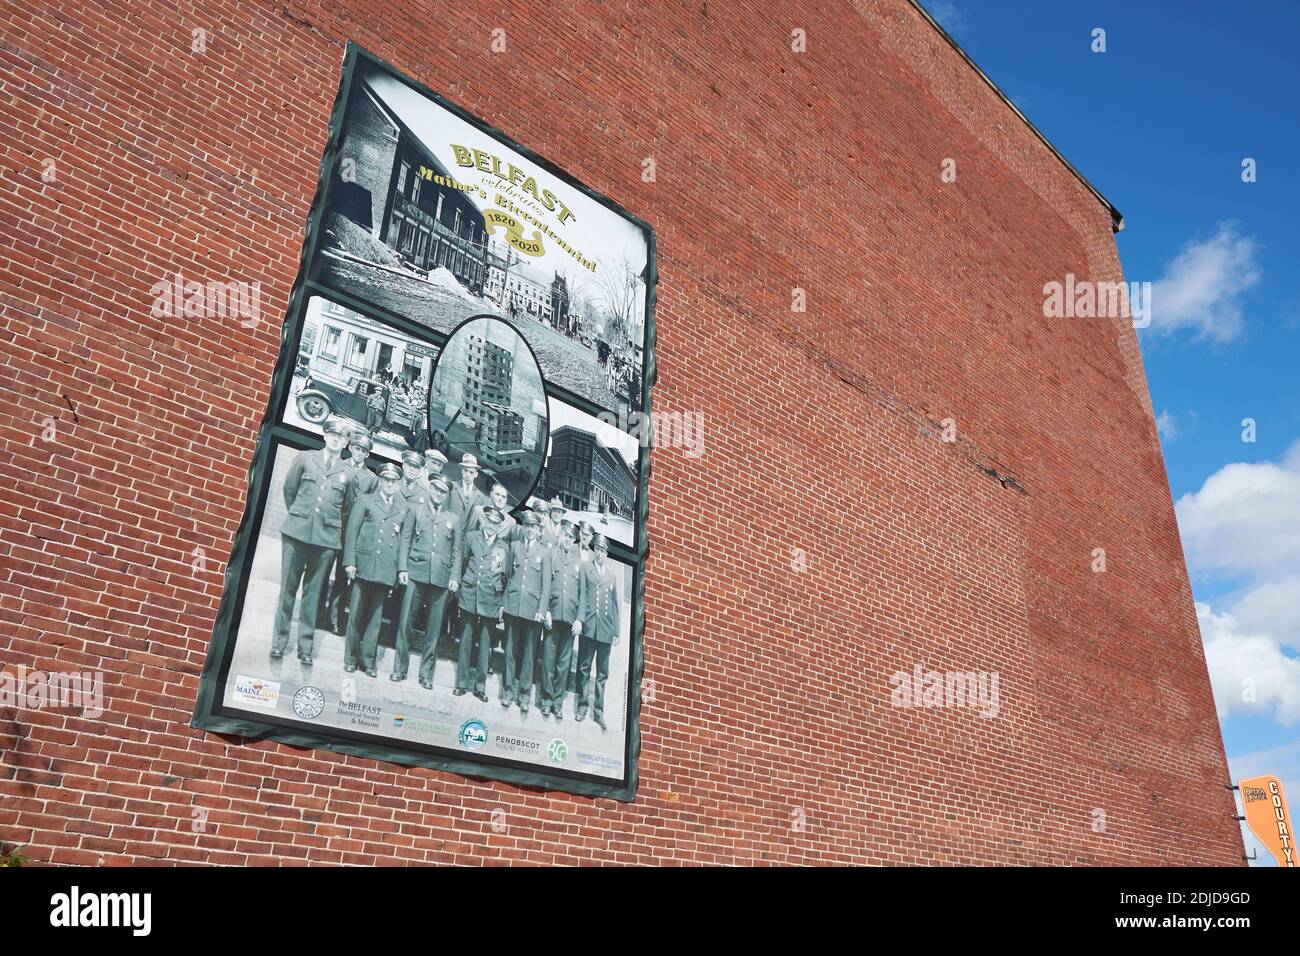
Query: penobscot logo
x=77, y=909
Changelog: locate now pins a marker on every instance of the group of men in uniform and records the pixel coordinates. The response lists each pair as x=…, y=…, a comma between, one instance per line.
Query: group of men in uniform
x=409, y=538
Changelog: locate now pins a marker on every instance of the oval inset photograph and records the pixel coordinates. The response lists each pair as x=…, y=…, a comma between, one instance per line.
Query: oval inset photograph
x=488, y=411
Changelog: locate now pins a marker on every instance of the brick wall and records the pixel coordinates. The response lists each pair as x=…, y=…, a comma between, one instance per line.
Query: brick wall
x=827, y=538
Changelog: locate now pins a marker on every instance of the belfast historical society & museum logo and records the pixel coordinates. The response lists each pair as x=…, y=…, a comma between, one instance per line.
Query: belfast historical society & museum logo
x=308, y=702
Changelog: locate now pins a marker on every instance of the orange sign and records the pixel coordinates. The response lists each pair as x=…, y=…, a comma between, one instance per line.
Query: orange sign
x=1268, y=817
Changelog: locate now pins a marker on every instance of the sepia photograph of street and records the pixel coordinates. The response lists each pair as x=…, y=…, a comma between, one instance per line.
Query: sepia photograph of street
x=291, y=645
x=435, y=221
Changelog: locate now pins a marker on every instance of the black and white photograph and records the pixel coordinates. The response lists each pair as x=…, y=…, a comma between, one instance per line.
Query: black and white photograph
x=373, y=612
x=487, y=405
x=452, y=580
x=355, y=367
x=591, y=471
x=432, y=219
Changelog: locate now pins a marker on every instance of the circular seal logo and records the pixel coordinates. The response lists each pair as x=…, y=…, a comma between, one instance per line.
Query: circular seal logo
x=557, y=751
x=473, y=734
x=308, y=702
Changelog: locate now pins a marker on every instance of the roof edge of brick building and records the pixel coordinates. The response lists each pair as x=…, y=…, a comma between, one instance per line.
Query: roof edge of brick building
x=1116, y=217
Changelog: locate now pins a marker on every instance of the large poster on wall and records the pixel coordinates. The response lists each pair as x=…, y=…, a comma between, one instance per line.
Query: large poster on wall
x=440, y=560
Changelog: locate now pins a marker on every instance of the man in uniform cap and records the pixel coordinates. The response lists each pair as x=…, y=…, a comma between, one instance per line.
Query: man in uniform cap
x=371, y=548
x=334, y=604
x=482, y=594
x=528, y=598
x=599, y=629
x=318, y=488
x=415, y=483
x=431, y=556
x=563, y=622
x=541, y=509
x=359, y=448
x=414, y=490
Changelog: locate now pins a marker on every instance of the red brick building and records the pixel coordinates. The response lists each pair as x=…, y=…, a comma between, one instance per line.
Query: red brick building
x=828, y=537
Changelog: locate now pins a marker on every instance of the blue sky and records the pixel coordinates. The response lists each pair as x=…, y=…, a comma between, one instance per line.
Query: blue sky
x=1160, y=123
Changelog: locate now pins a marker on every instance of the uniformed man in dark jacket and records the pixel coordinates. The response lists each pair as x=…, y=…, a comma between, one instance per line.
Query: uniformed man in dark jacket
x=482, y=602
x=317, y=490
x=434, y=462
x=415, y=480
x=539, y=508
x=528, y=598
x=371, y=547
x=414, y=490
x=430, y=556
x=600, y=623
x=335, y=604
x=359, y=448
x=563, y=622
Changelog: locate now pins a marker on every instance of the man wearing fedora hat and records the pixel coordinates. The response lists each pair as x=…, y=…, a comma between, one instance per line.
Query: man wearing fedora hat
x=600, y=624
x=465, y=495
x=551, y=533
x=371, y=548
x=430, y=555
x=528, y=597
x=484, y=569
x=318, y=489
x=564, y=620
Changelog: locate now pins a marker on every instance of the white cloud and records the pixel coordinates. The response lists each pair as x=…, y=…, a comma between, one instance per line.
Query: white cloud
x=1249, y=672
x=1245, y=520
x=1201, y=290
x=1166, y=426
x=1274, y=607
x=949, y=17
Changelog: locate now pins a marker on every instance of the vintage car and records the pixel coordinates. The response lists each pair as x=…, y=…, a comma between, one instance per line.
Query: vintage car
x=320, y=398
